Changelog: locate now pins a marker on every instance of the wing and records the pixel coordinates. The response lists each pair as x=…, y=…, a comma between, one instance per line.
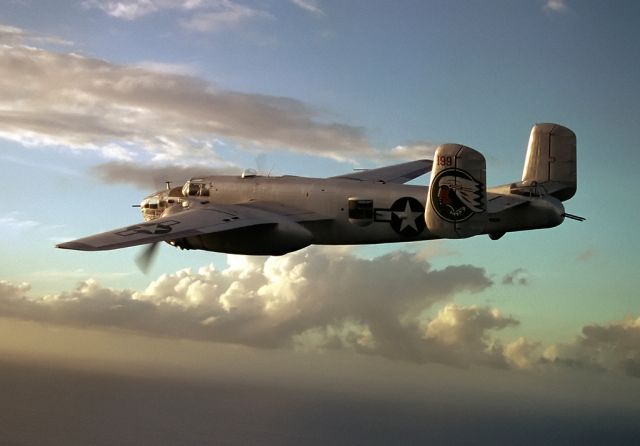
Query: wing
x=398, y=173
x=199, y=221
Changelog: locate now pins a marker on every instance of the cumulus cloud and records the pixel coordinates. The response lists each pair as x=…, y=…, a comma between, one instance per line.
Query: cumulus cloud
x=328, y=299
x=70, y=100
x=461, y=334
x=612, y=346
x=315, y=298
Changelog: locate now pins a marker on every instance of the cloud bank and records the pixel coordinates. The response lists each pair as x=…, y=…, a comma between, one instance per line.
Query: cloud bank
x=329, y=299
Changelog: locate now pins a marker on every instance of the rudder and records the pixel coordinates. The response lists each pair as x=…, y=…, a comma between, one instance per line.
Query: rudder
x=551, y=160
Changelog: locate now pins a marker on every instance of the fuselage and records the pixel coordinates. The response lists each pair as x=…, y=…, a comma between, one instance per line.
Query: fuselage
x=342, y=211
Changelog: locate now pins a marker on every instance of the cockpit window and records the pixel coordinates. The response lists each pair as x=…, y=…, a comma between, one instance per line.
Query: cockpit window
x=193, y=188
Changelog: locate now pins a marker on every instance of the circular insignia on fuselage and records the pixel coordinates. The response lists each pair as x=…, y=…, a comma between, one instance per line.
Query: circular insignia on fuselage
x=455, y=195
x=407, y=216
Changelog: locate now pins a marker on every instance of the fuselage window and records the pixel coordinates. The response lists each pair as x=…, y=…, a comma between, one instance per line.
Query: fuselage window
x=360, y=211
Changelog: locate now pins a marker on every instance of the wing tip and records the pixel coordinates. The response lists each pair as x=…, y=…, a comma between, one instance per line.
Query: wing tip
x=78, y=246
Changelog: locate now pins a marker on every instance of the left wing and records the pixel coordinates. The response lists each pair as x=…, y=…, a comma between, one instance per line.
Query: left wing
x=199, y=221
x=398, y=173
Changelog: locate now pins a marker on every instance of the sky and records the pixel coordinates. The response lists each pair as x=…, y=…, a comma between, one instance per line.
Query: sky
x=101, y=101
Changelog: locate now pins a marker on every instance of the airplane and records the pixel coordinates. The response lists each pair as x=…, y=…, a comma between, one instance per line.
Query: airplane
x=274, y=215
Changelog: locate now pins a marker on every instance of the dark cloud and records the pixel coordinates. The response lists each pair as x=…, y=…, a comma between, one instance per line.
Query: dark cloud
x=518, y=276
x=148, y=176
x=613, y=346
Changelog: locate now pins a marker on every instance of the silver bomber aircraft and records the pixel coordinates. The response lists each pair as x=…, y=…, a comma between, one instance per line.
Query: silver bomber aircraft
x=258, y=215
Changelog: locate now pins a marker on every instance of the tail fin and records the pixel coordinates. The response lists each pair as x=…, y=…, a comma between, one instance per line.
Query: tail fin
x=457, y=198
x=551, y=160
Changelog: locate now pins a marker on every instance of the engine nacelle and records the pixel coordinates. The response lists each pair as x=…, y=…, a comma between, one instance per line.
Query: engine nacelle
x=457, y=199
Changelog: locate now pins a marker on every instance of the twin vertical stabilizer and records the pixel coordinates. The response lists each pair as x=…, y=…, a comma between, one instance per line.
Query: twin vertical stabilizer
x=551, y=160
x=457, y=198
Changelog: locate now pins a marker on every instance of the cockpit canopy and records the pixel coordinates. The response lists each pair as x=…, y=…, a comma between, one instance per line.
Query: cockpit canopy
x=195, y=187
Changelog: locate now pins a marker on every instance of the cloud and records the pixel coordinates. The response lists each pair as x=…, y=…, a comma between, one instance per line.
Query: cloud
x=315, y=298
x=557, y=6
x=225, y=15
x=15, y=224
x=328, y=299
x=11, y=35
x=148, y=176
x=614, y=346
x=412, y=151
x=460, y=334
x=518, y=276
x=309, y=6
x=586, y=255
x=80, y=102
x=201, y=15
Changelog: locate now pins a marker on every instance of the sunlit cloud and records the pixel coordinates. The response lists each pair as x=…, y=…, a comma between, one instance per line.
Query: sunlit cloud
x=384, y=306
x=68, y=100
x=412, y=151
x=376, y=307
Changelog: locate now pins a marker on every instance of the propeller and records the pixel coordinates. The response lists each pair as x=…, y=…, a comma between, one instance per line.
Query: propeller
x=146, y=257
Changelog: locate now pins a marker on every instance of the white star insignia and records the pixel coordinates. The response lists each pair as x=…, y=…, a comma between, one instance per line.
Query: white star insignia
x=408, y=217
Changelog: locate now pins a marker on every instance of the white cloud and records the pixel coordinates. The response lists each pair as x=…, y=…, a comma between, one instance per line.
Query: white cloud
x=310, y=6
x=197, y=15
x=134, y=9
x=15, y=224
x=522, y=354
x=323, y=298
x=315, y=298
x=224, y=15
x=80, y=102
x=412, y=151
x=11, y=35
x=461, y=334
x=559, y=6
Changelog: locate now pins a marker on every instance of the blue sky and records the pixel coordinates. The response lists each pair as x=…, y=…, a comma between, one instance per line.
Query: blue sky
x=101, y=99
